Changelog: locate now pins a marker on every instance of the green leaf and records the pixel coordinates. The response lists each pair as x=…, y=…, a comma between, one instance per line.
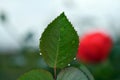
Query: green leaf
x=59, y=42
x=73, y=73
x=85, y=70
x=37, y=75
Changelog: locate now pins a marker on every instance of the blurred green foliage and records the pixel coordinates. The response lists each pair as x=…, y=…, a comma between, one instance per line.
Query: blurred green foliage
x=13, y=65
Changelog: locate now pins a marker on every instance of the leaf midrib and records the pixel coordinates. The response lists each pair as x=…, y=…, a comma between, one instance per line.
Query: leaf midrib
x=57, y=52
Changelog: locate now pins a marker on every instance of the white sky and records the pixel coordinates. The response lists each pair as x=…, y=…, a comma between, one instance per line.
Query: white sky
x=25, y=15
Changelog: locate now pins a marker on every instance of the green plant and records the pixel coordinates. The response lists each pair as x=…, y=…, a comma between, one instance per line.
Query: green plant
x=58, y=46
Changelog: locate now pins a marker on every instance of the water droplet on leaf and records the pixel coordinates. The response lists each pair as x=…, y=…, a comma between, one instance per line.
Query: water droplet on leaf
x=74, y=58
x=40, y=53
x=68, y=64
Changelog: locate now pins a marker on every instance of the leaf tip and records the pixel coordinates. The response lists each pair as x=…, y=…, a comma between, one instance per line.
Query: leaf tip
x=63, y=14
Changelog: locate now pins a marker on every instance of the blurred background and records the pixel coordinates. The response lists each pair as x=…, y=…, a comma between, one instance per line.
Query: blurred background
x=23, y=21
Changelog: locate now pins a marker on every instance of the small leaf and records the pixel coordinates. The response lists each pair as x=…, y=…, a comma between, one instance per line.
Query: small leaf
x=59, y=42
x=86, y=72
x=36, y=75
x=83, y=68
x=72, y=73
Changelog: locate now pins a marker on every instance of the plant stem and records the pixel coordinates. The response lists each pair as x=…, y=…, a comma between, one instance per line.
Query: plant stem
x=55, y=73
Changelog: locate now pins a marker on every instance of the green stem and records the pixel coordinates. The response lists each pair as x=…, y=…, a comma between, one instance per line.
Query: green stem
x=55, y=73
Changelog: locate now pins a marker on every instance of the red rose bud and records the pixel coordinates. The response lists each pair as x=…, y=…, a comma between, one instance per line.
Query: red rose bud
x=94, y=47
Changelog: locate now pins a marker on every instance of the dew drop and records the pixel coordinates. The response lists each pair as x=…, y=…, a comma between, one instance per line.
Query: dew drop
x=40, y=53
x=74, y=58
x=68, y=64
